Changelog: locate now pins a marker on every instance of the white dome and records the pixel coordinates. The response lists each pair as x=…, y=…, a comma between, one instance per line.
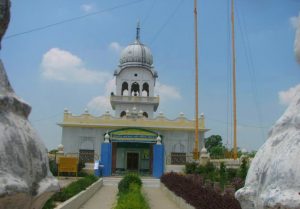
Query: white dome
x=136, y=53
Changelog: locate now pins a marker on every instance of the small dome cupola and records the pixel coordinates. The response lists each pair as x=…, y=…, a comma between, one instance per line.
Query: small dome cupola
x=136, y=54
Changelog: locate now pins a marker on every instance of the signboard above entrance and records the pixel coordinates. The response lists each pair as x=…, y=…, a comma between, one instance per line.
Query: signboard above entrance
x=133, y=135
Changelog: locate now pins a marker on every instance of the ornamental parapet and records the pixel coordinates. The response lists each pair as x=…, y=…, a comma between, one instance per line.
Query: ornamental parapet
x=108, y=121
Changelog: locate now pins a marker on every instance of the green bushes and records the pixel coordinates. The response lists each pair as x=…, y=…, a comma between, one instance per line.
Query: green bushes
x=130, y=195
x=225, y=176
x=244, y=169
x=70, y=191
x=53, y=167
x=208, y=171
x=124, y=184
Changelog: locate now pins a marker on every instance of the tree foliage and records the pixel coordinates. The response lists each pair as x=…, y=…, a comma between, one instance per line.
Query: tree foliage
x=214, y=146
x=216, y=149
x=213, y=141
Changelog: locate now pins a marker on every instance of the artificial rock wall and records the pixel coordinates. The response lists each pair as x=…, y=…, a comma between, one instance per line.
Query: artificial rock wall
x=273, y=180
x=25, y=179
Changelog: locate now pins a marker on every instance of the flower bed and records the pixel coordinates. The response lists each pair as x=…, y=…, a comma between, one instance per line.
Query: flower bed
x=193, y=191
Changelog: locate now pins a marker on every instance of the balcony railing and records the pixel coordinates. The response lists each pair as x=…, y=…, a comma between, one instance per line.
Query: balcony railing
x=133, y=99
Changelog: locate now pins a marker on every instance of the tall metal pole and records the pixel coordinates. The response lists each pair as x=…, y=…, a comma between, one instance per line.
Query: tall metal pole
x=234, y=83
x=196, y=150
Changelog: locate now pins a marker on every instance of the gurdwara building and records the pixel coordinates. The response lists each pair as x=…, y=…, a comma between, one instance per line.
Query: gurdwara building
x=134, y=138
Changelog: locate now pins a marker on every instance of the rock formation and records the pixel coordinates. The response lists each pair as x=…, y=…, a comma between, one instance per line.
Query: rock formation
x=25, y=179
x=273, y=179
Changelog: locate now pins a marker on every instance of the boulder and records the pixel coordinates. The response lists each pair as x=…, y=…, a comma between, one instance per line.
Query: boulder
x=25, y=178
x=273, y=179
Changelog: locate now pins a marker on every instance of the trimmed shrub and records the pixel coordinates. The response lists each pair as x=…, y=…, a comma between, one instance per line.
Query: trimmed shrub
x=128, y=179
x=196, y=194
x=130, y=195
x=133, y=199
x=73, y=189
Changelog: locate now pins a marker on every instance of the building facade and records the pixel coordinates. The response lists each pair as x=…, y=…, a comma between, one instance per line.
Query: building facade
x=133, y=139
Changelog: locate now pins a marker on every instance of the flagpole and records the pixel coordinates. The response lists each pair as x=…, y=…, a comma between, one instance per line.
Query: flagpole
x=234, y=83
x=196, y=145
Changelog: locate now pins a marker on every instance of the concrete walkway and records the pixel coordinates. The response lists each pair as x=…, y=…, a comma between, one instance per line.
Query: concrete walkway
x=103, y=199
x=158, y=199
x=106, y=198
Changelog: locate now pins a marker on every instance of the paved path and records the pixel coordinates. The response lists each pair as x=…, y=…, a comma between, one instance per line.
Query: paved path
x=158, y=199
x=103, y=199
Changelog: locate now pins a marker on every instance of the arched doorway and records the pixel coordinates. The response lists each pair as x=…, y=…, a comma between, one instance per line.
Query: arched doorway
x=135, y=89
x=124, y=91
x=145, y=90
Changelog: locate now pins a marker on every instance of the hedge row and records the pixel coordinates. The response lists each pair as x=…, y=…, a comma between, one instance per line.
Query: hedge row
x=194, y=192
x=130, y=195
x=71, y=190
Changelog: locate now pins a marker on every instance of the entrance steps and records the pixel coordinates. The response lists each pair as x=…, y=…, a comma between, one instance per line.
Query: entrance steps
x=147, y=181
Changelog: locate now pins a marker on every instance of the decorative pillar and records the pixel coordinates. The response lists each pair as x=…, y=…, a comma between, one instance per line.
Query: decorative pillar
x=204, y=156
x=158, y=159
x=106, y=156
x=106, y=138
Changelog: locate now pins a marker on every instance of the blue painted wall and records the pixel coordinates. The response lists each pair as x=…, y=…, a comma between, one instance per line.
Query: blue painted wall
x=158, y=160
x=106, y=155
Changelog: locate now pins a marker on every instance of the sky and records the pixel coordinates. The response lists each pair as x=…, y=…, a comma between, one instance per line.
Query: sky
x=62, y=54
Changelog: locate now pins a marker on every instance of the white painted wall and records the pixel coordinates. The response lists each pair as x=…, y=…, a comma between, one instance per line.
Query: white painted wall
x=143, y=75
x=74, y=138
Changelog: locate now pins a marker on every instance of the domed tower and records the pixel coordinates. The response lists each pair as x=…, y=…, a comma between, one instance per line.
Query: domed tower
x=135, y=81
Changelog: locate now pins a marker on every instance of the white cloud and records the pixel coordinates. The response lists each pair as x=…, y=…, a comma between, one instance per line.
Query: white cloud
x=115, y=47
x=286, y=97
x=100, y=104
x=110, y=86
x=296, y=23
x=87, y=7
x=167, y=92
x=61, y=65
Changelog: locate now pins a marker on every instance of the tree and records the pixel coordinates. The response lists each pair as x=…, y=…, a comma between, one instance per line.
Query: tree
x=213, y=141
x=215, y=146
x=53, y=151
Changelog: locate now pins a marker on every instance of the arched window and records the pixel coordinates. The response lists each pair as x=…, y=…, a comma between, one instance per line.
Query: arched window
x=123, y=113
x=135, y=89
x=145, y=114
x=145, y=91
x=124, y=89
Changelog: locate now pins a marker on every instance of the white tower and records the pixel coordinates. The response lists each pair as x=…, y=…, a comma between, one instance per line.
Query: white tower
x=135, y=81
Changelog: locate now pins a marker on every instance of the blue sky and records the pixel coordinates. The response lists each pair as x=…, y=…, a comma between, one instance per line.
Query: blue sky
x=71, y=65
